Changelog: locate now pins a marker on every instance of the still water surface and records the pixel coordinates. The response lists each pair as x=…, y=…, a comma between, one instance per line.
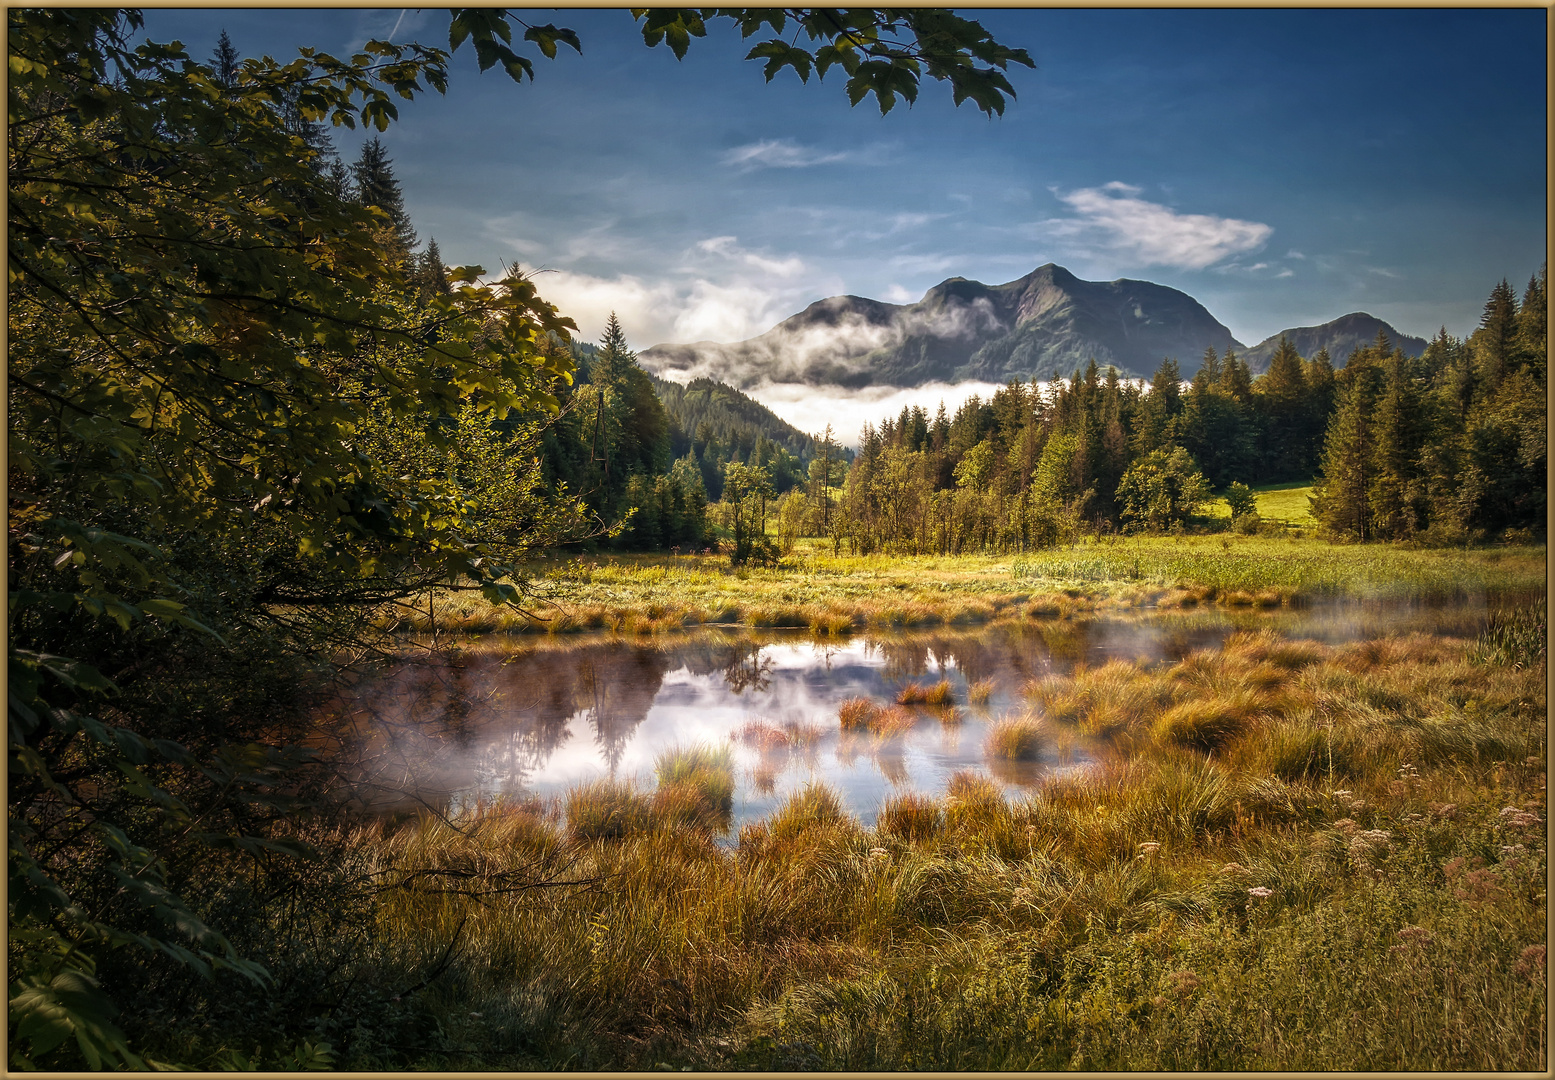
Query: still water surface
x=510, y=717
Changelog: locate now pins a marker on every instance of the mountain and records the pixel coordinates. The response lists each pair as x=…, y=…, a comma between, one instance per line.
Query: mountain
x=1043, y=326
x=1341, y=337
x=727, y=412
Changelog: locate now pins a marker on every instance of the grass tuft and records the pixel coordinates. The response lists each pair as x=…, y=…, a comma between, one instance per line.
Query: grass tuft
x=1207, y=723
x=1016, y=738
x=911, y=816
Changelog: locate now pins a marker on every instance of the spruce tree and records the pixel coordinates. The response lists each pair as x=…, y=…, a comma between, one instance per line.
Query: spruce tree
x=375, y=185
x=318, y=146
x=430, y=276
x=1236, y=381
x=1496, y=340
x=1533, y=325
x=1281, y=400
x=1396, y=435
x=1209, y=368
x=1341, y=500
x=337, y=179
x=224, y=62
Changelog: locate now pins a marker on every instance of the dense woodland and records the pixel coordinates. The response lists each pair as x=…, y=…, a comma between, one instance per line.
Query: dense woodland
x=1447, y=447
x=249, y=411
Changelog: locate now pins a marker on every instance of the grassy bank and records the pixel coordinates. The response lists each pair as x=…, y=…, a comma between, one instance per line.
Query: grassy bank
x=831, y=594
x=1290, y=856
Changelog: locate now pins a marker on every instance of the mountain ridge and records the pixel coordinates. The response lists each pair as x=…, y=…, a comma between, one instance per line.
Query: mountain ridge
x=1044, y=325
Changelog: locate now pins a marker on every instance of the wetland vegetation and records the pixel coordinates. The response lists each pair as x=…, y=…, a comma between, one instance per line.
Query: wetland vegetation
x=322, y=553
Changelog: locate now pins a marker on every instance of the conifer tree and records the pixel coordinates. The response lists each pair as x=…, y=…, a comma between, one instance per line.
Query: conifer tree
x=1236, y=381
x=224, y=62
x=430, y=276
x=337, y=179
x=1394, y=494
x=1209, y=368
x=1533, y=324
x=1496, y=340
x=375, y=185
x=1281, y=409
x=1341, y=500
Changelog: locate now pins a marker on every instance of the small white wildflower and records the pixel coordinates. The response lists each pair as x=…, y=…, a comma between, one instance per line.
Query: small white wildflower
x=1258, y=892
x=1149, y=847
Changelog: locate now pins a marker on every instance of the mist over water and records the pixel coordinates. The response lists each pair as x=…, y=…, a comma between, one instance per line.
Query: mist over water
x=518, y=718
x=847, y=410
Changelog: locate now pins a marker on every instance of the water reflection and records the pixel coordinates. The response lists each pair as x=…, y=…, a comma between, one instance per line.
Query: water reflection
x=517, y=718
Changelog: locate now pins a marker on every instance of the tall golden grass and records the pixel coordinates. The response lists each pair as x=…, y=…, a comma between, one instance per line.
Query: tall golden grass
x=1285, y=855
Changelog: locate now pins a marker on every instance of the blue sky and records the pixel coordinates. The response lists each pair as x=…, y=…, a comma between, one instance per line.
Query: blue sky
x=1283, y=167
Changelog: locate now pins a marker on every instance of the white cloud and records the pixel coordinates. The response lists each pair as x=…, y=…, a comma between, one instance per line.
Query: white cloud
x=778, y=154
x=811, y=408
x=714, y=312
x=896, y=294
x=643, y=307
x=728, y=247
x=1143, y=233
x=1287, y=272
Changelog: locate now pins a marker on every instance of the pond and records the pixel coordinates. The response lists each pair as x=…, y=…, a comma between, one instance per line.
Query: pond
x=522, y=718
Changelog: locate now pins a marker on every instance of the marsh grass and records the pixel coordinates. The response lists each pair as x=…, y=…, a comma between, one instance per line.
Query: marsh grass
x=1285, y=855
x=861, y=714
x=1016, y=738
x=1514, y=635
x=911, y=816
x=837, y=595
x=941, y=693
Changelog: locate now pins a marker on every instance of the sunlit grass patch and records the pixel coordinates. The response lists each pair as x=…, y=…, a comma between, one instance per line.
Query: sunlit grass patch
x=606, y=810
x=911, y=816
x=1207, y=723
x=1016, y=738
x=892, y=720
x=854, y=714
x=813, y=807
x=941, y=693
x=979, y=692
x=706, y=770
x=1106, y=700
x=767, y=737
x=1516, y=636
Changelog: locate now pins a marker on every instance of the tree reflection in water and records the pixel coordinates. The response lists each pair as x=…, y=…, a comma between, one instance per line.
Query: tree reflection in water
x=512, y=718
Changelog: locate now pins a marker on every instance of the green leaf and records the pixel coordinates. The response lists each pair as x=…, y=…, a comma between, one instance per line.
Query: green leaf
x=48, y=1009
x=548, y=35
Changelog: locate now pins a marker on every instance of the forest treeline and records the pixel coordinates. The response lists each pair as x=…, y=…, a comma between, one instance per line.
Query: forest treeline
x=1445, y=447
